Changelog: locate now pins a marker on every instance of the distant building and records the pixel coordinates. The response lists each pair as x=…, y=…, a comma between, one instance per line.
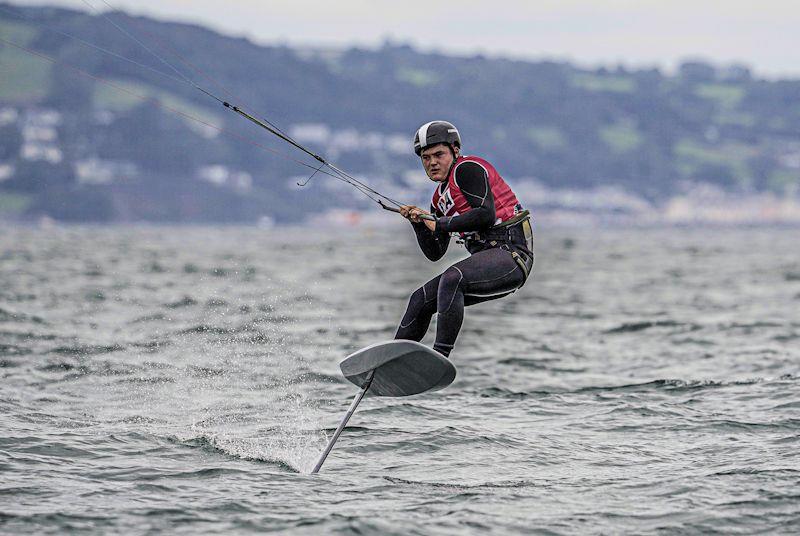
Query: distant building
x=6, y=172
x=99, y=171
x=37, y=151
x=40, y=135
x=8, y=116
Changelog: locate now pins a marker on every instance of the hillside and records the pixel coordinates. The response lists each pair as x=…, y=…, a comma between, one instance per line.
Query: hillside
x=76, y=149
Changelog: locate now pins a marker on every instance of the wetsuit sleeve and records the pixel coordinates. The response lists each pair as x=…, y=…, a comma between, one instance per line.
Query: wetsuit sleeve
x=432, y=243
x=471, y=178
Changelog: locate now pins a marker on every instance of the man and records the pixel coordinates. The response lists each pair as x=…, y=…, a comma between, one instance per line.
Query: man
x=473, y=200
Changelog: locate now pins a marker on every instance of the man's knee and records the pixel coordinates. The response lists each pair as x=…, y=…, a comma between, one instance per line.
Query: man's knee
x=449, y=288
x=450, y=280
x=417, y=299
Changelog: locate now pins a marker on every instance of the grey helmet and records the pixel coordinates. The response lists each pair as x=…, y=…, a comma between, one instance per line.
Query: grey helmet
x=436, y=132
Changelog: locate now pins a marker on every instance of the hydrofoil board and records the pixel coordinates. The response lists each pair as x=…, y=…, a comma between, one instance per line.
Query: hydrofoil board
x=402, y=368
x=393, y=368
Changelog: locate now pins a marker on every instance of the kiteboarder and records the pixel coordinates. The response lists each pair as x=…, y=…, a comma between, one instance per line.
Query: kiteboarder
x=472, y=200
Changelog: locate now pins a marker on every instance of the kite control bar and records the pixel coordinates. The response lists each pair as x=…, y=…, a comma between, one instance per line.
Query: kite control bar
x=428, y=217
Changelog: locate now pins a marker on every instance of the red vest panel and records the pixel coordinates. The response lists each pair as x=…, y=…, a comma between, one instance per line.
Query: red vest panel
x=448, y=200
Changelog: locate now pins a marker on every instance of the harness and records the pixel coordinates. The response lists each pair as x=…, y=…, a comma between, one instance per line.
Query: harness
x=515, y=235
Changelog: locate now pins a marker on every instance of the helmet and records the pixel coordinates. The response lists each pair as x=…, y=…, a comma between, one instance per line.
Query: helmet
x=436, y=132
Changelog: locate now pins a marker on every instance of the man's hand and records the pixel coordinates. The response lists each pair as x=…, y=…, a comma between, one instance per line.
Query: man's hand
x=412, y=213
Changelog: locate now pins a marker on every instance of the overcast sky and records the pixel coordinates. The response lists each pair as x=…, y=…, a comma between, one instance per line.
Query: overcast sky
x=761, y=33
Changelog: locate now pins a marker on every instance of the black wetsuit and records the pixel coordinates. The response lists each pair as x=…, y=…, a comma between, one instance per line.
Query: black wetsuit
x=490, y=272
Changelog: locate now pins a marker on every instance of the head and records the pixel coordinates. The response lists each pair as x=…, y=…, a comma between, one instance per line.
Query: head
x=438, y=159
x=438, y=144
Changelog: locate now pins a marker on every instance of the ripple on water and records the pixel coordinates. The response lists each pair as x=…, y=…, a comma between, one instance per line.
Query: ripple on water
x=630, y=327
x=503, y=484
x=19, y=317
x=88, y=350
x=14, y=350
x=186, y=301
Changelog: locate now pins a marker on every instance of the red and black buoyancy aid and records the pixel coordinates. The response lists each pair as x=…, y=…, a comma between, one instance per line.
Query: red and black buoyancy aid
x=449, y=200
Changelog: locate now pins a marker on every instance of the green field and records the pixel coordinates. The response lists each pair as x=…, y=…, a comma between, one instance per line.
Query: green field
x=783, y=181
x=726, y=96
x=13, y=204
x=19, y=33
x=23, y=77
x=417, y=77
x=691, y=156
x=736, y=118
x=621, y=137
x=611, y=83
x=125, y=95
x=547, y=138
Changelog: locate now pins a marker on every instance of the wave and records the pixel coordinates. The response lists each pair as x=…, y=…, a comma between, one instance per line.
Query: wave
x=536, y=364
x=288, y=450
x=85, y=350
x=11, y=316
x=788, y=405
x=676, y=385
x=76, y=370
x=28, y=336
x=730, y=424
x=751, y=325
x=59, y=367
x=540, y=364
x=560, y=314
x=671, y=385
x=424, y=441
x=503, y=392
x=149, y=380
x=756, y=471
x=205, y=372
x=630, y=327
x=5, y=363
x=204, y=328
x=148, y=318
x=459, y=485
x=408, y=409
x=139, y=419
x=249, y=329
x=186, y=301
x=273, y=319
x=14, y=350
x=151, y=346
x=315, y=377
x=146, y=474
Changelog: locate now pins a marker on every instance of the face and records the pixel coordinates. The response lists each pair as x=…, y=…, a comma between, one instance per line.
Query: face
x=437, y=161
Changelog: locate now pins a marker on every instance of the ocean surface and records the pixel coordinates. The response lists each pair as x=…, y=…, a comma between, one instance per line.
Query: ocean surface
x=185, y=380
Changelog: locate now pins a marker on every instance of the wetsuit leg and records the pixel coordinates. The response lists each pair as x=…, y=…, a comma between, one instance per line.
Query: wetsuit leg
x=421, y=307
x=485, y=275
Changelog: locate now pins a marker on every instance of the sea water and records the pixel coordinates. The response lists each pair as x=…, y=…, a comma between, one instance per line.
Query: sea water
x=185, y=380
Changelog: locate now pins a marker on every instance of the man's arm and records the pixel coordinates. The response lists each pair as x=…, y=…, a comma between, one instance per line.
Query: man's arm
x=432, y=243
x=473, y=182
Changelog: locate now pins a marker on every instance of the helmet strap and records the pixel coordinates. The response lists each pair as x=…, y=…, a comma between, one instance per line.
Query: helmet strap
x=455, y=157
